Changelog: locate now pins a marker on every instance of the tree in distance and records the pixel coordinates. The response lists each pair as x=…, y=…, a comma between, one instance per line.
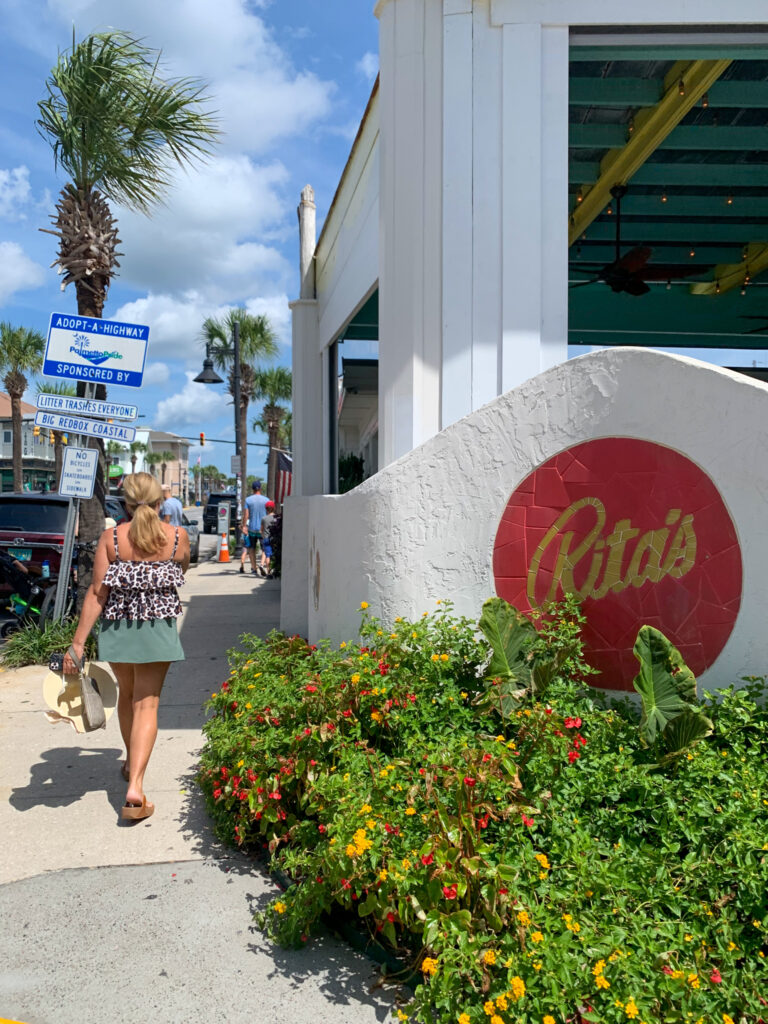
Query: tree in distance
x=272, y=386
x=21, y=352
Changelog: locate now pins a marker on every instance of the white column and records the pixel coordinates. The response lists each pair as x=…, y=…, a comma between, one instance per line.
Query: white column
x=307, y=401
x=410, y=231
x=534, y=198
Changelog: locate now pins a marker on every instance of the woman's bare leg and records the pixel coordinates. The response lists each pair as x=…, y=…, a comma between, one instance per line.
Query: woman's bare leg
x=147, y=684
x=124, y=675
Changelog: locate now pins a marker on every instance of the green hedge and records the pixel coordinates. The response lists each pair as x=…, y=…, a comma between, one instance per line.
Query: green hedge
x=536, y=855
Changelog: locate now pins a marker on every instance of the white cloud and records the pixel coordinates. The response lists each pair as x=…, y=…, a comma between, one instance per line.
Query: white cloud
x=195, y=404
x=276, y=308
x=17, y=271
x=368, y=66
x=203, y=234
x=156, y=373
x=14, y=191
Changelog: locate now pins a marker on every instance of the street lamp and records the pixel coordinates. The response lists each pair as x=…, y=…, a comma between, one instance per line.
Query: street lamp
x=209, y=376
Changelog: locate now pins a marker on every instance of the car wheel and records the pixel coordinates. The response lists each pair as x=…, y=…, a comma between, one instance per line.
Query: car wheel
x=206, y=528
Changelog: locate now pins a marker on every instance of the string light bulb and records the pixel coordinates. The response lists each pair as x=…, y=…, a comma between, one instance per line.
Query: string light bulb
x=717, y=287
x=747, y=278
x=631, y=125
x=744, y=252
x=705, y=100
x=692, y=253
x=580, y=196
x=729, y=201
x=681, y=87
x=664, y=196
x=744, y=288
x=669, y=286
x=609, y=209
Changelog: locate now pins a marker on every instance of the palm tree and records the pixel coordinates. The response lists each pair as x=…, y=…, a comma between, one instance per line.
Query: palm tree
x=59, y=387
x=151, y=459
x=118, y=129
x=21, y=352
x=165, y=458
x=257, y=341
x=136, y=448
x=272, y=386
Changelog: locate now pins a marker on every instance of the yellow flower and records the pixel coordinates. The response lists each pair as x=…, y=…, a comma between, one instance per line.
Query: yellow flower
x=693, y=980
x=410, y=810
x=732, y=946
x=429, y=965
x=489, y=1007
x=248, y=707
x=342, y=645
x=435, y=657
x=548, y=1019
x=496, y=1019
x=363, y=605
x=502, y=1002
x=351, y=850
x=524, y=918
x=280, y=907
x=542, y=875
x=383, y=875
x=727, y=1019
x=518, y=987
x=370, y=823
x=537, y=965
x=602, y=982
x=463, y=1019
x=489, y=957
x=598, y=968
x=377, y=716
x=355, y=678
x=406, y=863
x=401, y=1015
x=366, y=809
x=537, y=937
x=464, y=694
x=240, y=763
x=543, y=860
x=445, y=657
x=688, y=938
x=632, y=1011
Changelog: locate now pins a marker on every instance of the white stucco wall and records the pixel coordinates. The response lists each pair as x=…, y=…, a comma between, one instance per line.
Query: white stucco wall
x=424, y=527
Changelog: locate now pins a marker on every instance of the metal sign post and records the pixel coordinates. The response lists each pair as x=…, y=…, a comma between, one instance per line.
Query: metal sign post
x=78, y=474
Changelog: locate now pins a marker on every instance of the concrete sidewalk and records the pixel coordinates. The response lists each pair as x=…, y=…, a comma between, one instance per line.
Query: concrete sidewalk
x=105, y=922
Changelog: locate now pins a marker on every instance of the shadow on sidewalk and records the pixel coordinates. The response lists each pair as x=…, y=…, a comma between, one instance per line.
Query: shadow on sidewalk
x=65, y=774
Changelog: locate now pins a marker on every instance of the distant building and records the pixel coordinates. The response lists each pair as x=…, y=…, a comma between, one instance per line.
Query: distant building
x=158, y=441
x=38, y=465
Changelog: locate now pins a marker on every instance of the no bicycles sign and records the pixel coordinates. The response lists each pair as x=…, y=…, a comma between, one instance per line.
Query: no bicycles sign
x=641, y=535
x=78, y=472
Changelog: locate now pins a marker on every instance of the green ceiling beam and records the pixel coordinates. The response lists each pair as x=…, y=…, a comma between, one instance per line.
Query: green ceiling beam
x=693, y=206
x=705, y=255
x=727, y=276
x=756, y=51
x=647, y=339
x=697, y=137
x=684, y=85
x=633, y=232
x=642, y=92
x=725, y=175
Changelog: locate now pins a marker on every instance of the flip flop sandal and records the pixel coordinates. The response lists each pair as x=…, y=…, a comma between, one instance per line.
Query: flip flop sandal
x=136, y=812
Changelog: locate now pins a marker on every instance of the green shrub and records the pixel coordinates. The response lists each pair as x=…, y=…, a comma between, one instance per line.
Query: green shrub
x=534, y=855
x=33, y=645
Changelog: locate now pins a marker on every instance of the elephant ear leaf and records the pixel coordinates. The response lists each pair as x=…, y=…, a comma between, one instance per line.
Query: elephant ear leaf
x=666, y=685
x=685, y=730
x=508, y=632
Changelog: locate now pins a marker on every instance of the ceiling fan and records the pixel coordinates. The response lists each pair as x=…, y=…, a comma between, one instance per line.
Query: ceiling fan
x=630, y=272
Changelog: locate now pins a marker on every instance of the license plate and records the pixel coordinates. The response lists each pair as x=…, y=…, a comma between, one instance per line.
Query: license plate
x=21, y=554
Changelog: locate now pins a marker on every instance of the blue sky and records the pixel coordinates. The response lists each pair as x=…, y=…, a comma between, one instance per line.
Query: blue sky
x=289, y=79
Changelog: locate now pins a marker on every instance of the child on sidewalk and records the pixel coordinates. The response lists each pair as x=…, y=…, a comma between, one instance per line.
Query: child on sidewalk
x=266, y=541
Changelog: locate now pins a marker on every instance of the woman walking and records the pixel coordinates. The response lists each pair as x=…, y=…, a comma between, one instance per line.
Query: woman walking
x=137, y=568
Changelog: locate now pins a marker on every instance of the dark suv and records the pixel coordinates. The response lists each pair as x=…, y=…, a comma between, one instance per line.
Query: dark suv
x=211, y=511
x=32, y=527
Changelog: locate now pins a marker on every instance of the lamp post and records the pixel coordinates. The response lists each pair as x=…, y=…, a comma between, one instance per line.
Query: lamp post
x=209, y=376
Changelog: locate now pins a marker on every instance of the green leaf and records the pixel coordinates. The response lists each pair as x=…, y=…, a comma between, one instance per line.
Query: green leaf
x=508, y=632
x=685, y=730
x=666, y=685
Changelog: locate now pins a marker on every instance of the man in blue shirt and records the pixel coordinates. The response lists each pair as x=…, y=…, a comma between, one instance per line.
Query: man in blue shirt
x=255, y=510
x=171, y=510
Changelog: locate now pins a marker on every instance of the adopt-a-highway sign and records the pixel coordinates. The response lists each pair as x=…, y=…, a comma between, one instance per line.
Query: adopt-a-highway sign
x=100, y=351
x=77, y=425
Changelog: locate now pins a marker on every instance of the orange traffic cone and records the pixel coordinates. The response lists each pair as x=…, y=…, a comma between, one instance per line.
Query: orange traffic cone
x=223, y=547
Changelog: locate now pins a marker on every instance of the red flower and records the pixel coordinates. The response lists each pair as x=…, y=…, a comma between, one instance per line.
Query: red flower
x=558, y=733
x=275, y=795
x=572, y=723
x=224, y=687
x=427, y=859
x=578, y=740
x=573, y=755
x=310, y=688
x=275, y=721
x=307, y=731
x=233, y=705
x=236, y=780
x=547, y=711
x=347, y=713
x=345, y=884
x=715, y=977
x=469, y=781
x=391, y=917
x=319, y=879
x=383, y=668
x=331, y=727
x=483, y=822
x=503, y=892
x=422, y=771
x=450, y=892
x=243, y=794
x=526, y=820
x=486, y=758
x=321, y=828
x=216, y=794
x=313, y=762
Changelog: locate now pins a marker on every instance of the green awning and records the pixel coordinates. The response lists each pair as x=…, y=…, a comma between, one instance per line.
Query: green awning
x=115, y=471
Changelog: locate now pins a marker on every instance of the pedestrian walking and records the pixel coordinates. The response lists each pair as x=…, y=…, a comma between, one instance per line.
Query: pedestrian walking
x=172, y=510
x=266, y=539
x=255, y=510
x=137, y=569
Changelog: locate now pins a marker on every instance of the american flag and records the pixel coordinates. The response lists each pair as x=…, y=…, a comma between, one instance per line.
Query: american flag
x=284, y=477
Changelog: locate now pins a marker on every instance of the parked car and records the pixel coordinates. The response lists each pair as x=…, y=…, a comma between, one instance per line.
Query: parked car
x=116, y=508
x=211, y=511
x=32, y=527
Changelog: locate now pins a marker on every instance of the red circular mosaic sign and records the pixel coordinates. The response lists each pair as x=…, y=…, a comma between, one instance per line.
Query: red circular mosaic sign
x=641, y=535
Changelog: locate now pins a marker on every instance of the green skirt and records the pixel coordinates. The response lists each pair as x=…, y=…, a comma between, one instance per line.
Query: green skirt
x=138, y=643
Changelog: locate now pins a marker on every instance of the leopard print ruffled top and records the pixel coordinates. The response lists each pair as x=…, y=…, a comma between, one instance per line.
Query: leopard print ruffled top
x=143, y=590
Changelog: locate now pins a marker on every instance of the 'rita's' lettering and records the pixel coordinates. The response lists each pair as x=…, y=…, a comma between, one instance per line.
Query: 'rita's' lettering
x=613, y=563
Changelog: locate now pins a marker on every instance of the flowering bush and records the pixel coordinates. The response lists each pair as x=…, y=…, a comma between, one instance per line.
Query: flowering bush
x=523, y=842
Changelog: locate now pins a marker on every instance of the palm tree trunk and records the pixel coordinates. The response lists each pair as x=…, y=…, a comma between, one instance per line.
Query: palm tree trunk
x=133, y=462
x=18, y=479
x=58, y=459
x=243, y=449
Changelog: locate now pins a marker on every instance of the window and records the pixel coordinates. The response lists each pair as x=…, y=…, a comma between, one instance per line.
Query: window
x=7, y=437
